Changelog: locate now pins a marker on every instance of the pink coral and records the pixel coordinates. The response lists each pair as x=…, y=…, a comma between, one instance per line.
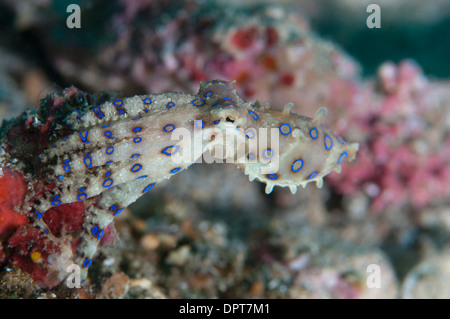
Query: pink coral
x=402, y=159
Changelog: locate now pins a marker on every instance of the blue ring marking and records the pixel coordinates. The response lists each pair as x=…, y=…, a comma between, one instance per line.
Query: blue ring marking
x=339, y=140
x=118, y=211
x=118, y=103
x=216, y=122
x=110, y=150
x=100, y=234
x=148, y=187
x=136, y=168
x=271, y=153
x=56, y=202
x=110, y=182
x=108, y=133
x=96, y=109
x=147, y=101
x=330, y=140
x=94, y=230
x=137, y=129
x=137, y=139
x=170, y=104
x=208, y=94
x=251, y=156
x=79, y=197
x=81, y=189
x=87, y=161
x=137, y=118
x=169, y=128
x=135, y=155
x=313, y=175
x=66, y=167
x=316, y=133
x=254, y=115
x=60, y=177
x=168, y=153
x=84, y=138
x=281, y=129
x=197, y=104
x=252, y=136
x=143, y=176
x=108, y=162
x=87, y=263
x=106, y=125
x=341, y=159
x=121, y=111
x=66, y=161
x=100, y=115
x=227, y=99
x=295, y=162
x=272, y=176
x=54, y=197
x=175, y=170
x=113, y=207
x=201, y=122
x=107, y=174
x=38, y=215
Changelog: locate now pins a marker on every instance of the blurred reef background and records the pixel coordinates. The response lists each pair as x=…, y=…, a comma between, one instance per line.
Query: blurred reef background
x=208, y=232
